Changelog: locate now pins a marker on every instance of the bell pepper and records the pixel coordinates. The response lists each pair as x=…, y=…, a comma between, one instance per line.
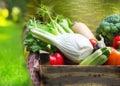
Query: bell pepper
x=57, y=59
x=116, y=42
x=114, y=58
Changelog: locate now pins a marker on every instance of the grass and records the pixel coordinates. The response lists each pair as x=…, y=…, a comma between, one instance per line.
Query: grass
x=13, y=71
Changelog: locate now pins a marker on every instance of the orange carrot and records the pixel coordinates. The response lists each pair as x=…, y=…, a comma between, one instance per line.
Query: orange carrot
x=114, y=58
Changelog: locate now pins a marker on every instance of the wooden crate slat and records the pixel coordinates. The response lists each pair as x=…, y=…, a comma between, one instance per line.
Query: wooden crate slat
x=77, y=68
x=80, y=75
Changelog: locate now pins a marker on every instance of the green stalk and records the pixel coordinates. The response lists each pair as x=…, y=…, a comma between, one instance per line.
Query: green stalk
x=44, y=36
x=61, y=30
x=52, y=21
x=58, y=29
x=55, y=28
x=65, y=26
x=40, y=38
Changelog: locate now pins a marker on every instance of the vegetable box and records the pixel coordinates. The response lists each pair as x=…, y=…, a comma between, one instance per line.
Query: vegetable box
x=55, y=33
x=70, y=75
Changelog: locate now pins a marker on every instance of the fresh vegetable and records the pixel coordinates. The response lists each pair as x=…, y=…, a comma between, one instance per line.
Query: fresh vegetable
x=32, y=44
x=101, y=42
x=81, y=28
x=114, y=58
x=57, y=59
x=116, y=42
x=74, y=46
x=109, y=28
x=93, y=42
x=99, y=57
x=97, y=43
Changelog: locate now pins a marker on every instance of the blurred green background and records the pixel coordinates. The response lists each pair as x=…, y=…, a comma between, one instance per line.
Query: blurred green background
x=90, y=12
x=13, y=71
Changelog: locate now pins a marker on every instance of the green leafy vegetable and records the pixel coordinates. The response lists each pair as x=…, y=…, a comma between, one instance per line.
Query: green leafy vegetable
x=109, y=28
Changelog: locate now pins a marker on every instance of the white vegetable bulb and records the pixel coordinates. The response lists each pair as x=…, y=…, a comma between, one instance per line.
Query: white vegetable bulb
x=74, y=46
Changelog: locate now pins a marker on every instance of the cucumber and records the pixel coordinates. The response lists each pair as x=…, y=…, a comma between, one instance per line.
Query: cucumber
x=99, y=57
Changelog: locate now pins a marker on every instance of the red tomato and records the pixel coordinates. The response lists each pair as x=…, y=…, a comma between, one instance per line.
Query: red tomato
x=93, y=41
x=116, y=42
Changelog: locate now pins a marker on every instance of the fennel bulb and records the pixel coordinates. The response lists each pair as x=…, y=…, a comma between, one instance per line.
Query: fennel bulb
x=74, y=46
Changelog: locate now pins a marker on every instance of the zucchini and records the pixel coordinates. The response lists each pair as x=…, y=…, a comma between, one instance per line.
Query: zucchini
x=102, y=59
x=99, y=57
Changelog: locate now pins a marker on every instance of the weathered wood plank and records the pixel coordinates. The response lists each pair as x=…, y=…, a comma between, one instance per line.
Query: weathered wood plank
x=77, y=68
x=75, y=75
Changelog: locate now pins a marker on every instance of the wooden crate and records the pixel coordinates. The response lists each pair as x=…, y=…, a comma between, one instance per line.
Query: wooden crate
x=75, y=75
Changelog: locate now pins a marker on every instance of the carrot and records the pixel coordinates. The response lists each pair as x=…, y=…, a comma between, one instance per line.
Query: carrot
x=114, y=58
x=82, y=29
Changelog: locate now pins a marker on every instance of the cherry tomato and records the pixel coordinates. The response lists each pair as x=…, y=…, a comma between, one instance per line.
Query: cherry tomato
x=93, y=41
x=116, y=42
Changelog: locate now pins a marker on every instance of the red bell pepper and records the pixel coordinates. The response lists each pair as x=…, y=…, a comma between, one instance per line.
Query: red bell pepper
x=57, y=59
x=116, y=42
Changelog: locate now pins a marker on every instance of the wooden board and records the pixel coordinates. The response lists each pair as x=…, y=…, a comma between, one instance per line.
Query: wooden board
x=75, y=75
